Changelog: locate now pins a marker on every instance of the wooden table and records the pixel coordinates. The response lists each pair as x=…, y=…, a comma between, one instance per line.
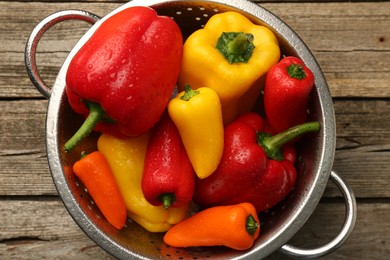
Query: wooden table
x=351, y=41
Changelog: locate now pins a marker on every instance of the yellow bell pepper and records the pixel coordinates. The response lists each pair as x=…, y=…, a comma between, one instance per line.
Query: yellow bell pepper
x=126, y=159
x=198, y=117
x=231, y=55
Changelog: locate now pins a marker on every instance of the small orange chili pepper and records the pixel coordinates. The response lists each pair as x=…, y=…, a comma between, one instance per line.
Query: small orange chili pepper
x=235, y=226
x=96, y=175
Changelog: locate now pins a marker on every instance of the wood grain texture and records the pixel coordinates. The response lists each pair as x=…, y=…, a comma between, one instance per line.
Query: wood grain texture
x=351, y=42
x=357, y=32
x=363, y=147
x=35, y=229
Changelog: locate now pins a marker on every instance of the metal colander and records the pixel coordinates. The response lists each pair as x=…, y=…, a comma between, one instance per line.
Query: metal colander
x=278, y=225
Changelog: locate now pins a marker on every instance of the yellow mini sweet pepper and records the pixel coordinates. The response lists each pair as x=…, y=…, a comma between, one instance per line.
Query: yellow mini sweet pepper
x=126, y=159
x=198, y=117
x=230, y=55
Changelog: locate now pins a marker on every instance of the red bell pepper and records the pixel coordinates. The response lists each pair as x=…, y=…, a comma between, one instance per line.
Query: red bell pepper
x=255, y=167
x=168, y=178
x=286, y=93
x=122, y=78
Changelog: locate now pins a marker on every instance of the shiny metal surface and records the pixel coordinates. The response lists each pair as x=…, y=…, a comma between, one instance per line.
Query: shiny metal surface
x=346, y=230
x=278, y=225
x=36, y=35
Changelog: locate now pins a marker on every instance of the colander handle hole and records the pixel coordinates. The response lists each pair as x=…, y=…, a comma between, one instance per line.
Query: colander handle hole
x=346, y=230
x=35, y=36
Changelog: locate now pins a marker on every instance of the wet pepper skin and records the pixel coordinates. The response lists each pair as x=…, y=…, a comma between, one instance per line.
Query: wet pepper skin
x=235, y=226
x=198, y=117
x=129, y=66
x=286, y=93
x=237, y=84
x=126, y=158
x=255, y=169
x=168, y=178
x=96, y=175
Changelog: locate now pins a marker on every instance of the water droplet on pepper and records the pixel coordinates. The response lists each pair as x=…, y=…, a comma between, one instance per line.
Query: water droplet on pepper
x=108, y=55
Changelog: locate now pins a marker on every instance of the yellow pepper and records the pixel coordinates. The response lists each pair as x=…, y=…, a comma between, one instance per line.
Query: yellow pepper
x=126, y=159
x=198, y=117
x=231, y=55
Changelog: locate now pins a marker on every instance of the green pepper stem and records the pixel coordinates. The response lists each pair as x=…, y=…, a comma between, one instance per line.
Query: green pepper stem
x=251, y=225
x=96, y=115
x=189, y=93
x=167, y=199
x=296, y=71
x=236, y=46
x=272, y=144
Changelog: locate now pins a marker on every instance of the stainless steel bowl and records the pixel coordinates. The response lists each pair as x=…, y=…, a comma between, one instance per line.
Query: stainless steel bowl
x=278, y=224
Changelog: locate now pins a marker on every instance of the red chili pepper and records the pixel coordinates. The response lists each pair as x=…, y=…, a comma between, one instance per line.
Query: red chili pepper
x=122, y=78
x=255, y=167
x=168, y=178
x=286, y=93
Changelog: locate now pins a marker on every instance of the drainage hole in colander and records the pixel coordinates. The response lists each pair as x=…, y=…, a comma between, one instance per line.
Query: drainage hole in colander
x=178, y=254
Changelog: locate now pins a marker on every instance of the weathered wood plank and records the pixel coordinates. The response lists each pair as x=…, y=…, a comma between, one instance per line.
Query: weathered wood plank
x=362, y=122
x=40, y=229
x=348, y=40
x=254, y=1
x=363, y=147
x=367, y=241
x=77, y=248
x=44, y=229
x=24, y=169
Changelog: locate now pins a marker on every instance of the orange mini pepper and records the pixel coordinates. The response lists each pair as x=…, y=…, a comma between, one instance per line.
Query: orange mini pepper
x=234, y=226
x=96, y=175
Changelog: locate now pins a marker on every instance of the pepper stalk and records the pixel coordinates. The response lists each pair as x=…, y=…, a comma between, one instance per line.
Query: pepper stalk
x=272, y=144
x=251, y=225
x=96, y=115
x=236, y=46
x=189, y=93
x=167, y=199
x=296, y=71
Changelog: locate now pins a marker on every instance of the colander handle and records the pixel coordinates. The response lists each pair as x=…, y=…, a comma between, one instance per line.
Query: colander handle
x=349, y=223
x=35, y=36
